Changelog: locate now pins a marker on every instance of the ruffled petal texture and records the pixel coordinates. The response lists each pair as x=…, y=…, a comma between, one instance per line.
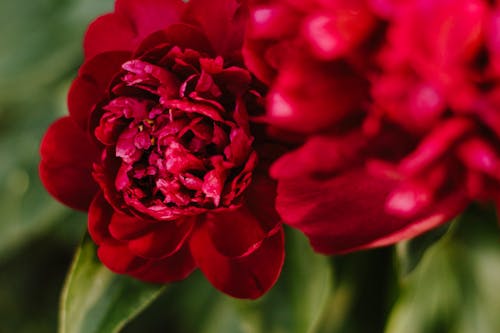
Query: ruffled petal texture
x=94, y=77
x=67, y=154
x=224, y=27
x=143, y=249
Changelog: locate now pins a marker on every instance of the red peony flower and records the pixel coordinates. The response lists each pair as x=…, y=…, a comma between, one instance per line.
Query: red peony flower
x=402, y=135
x=298, y=48
x=159, y=149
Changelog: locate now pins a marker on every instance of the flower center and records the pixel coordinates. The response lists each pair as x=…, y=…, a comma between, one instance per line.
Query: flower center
x=173, y=156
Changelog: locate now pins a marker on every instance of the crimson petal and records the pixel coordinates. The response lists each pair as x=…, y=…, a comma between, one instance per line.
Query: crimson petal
x=320, y=155
x=162, y=239
x=131, y=22
x=90, y=86
x=178, y=34
x=176, y=267
x=65, y=169
x=260, y=197
x=346, y=212
x=126, y=227
x=293, y=97
x=243, y=277
x=234, y=232
x=110, y=32
x=118, y=258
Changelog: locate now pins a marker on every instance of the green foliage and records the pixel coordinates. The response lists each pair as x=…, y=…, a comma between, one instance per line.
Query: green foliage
x=95, y=300
x=454, y=289
x=410, y=252
x=40, y=50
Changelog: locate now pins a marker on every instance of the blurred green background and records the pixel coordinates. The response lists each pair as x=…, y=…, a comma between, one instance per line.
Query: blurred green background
x=453, y=289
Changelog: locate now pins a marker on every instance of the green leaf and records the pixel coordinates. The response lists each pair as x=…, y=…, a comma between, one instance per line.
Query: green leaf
x=95, y=300
x=410, y=252
x=455, y=287
x=297, y=301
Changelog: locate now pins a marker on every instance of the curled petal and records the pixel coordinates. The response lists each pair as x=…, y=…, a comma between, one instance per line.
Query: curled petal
x=118, y=258
x=252, y=53
x=65, y=168
x=162, y=239
x=243, y=277
x=126, y=227
x=140, y=257
x=346, y=213
x=100, y=215
x=320, y=155
x=478, y=155
x=235, y=233
x=187, y=36
x=91, y=84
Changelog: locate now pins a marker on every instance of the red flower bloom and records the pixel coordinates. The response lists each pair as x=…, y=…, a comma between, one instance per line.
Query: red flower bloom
x=158, y=148
x=412, y=143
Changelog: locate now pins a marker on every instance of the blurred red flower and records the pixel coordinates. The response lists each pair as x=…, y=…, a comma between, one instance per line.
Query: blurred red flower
x=159, y=149
x=399, y=103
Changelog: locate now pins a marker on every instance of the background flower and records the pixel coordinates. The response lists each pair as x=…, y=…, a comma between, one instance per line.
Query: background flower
x=397, y=102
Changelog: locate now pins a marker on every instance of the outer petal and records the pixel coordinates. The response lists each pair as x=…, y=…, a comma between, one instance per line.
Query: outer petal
x=121, y=257
x=181, y=35
x=131, y=22
x=173, y=268
x=91, y=84
x=65, y=169
x=162, y=239
x=223, y=21
x=243, y=277
x=260, y=198
x=234, y=232
x=110, y=32
x=117, y=257
x=309, y=96
x=321, y=155
x=252, y=53
x=240, y=231
x=100, y=213
x=148, y=239
x=346, y=212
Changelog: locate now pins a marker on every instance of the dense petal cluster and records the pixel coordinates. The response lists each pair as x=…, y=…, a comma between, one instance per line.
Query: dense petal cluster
x=159, y=149
x=398, y=102
x=176, y=149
